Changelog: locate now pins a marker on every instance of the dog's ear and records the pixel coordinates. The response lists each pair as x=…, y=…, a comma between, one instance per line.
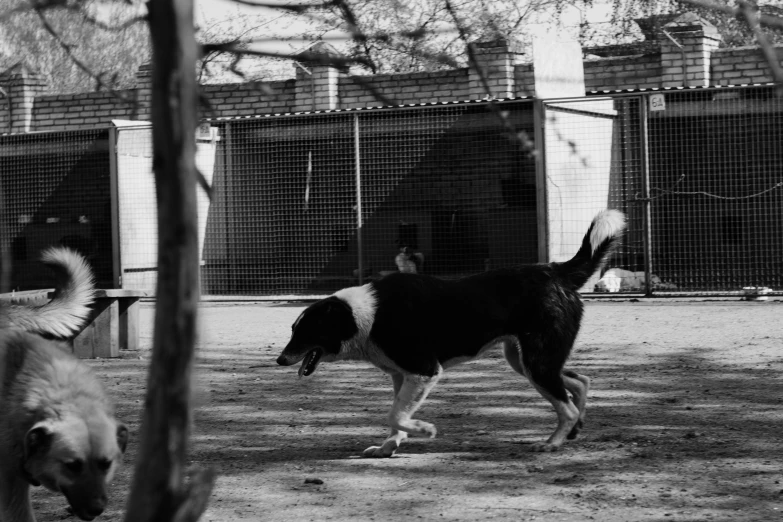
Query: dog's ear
x=122, y=437
x=38, y=439
x=340, y=319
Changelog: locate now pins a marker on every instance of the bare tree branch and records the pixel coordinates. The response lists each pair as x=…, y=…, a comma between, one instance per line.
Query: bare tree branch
x=294, y=8
x=44, y=5
x=751, y=16
x=520, y=137
x=68, y=48
x=764, y=20
x=338, y=62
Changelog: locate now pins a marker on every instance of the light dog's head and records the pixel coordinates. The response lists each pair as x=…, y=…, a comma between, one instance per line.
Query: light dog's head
x=77, y=455
x=318, y=334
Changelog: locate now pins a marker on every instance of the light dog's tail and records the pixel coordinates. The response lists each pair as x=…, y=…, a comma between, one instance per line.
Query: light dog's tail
x=67, y=313
x=601, y=240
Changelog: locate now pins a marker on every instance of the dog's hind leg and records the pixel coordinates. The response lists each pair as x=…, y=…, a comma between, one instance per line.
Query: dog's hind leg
x=551, y=384
x=410, y=392
x=578, y=385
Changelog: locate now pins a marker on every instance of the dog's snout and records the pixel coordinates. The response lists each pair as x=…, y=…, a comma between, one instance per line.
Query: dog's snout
x=283, y=361
x=94, y=508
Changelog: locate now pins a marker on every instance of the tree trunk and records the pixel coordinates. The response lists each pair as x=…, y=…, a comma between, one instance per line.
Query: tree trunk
x=159, y=490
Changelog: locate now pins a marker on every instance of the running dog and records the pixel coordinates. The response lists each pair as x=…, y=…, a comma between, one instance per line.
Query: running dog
x=69, y=310
x=57, y=428
x=414, y=327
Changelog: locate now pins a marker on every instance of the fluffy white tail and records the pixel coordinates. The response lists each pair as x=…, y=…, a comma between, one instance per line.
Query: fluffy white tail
x=69, y=310
x=601, y=240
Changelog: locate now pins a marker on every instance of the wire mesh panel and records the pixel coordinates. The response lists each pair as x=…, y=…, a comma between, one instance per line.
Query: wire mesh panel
x=57, y=191
x=447, y=191
x=717, y=196
x=594, y=160
x=282, y=219
x=307, y=204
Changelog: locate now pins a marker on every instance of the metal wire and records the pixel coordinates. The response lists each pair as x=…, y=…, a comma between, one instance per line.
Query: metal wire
x=445, y=187
x=717, y=216
x=57, y=192
x=594, y=160
x=306, y=204
x=712, y=161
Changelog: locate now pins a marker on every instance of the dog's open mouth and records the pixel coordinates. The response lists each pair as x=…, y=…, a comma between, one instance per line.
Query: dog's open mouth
x=310, y=362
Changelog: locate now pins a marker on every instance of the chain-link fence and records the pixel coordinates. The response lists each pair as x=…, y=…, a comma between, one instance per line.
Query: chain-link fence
x=56, y=191
x=699, y=173
x=306, y=204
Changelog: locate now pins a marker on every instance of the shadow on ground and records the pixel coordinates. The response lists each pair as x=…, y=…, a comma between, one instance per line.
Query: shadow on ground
x=683, y=424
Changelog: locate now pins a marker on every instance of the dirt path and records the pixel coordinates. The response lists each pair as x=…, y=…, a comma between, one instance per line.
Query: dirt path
x=684, y=423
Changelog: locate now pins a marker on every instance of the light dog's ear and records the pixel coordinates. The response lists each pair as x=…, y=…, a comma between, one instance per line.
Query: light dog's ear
x=38, y=439
x=122, y=437
x=37, y=442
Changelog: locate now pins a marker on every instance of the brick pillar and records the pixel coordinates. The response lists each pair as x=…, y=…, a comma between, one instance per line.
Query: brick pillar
x=22, y=86
x=143, y=92
x=496, y=63
x=317, y=84
x=687, y=62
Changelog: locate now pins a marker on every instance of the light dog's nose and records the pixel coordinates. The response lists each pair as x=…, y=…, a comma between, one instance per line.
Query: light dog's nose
x=95, y=507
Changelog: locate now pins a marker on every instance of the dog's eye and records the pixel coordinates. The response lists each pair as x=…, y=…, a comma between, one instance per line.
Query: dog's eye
x=74, y=466
x=104, y=465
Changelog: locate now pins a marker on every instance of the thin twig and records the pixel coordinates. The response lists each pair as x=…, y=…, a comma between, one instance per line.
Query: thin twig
x=764, y=19
x=752, y=18
x=68, y=48
x=521, y=137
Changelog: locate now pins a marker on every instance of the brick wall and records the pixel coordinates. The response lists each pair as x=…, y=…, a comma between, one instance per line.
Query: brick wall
x=247, y=99
x=4, y=121
x=404, y=88
x=80, y=111
x=626, y=72
x=741, y=66
x=686, y=56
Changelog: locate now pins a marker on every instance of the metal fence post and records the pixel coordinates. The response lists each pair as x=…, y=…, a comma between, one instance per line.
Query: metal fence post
x=542, y=195
x=115, y=208
x=647, y=219
x=229, y=209
x=359, y=246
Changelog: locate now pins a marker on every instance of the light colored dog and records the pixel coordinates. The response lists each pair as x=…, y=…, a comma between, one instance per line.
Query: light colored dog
x=57, y=428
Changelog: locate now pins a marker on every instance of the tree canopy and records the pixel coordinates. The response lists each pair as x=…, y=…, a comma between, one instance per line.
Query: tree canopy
x=84, y=45
x=77, y=46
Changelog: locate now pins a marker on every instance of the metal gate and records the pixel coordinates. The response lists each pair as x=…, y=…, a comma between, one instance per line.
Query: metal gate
x=699, y=173
x=56, y=189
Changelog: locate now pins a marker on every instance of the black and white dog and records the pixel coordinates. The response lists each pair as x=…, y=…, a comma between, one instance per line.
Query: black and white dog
x=413, y=327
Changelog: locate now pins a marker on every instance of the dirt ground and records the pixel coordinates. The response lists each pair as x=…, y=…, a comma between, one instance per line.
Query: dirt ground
x=684, y=422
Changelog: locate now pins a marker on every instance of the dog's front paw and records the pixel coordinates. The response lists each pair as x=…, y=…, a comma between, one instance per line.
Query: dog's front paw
x=379, y=452
x=544, y=447
x=422, y=429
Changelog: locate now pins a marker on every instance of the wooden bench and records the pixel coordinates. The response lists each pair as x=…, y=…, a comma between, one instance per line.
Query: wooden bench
x=113, y=325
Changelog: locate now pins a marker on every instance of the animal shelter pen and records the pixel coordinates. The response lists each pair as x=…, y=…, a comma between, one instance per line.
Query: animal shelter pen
x=697, y=171
x=304, y=204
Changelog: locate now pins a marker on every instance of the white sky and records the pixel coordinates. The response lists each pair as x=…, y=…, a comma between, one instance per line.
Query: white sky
x=210, y=11
x=217, y=17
